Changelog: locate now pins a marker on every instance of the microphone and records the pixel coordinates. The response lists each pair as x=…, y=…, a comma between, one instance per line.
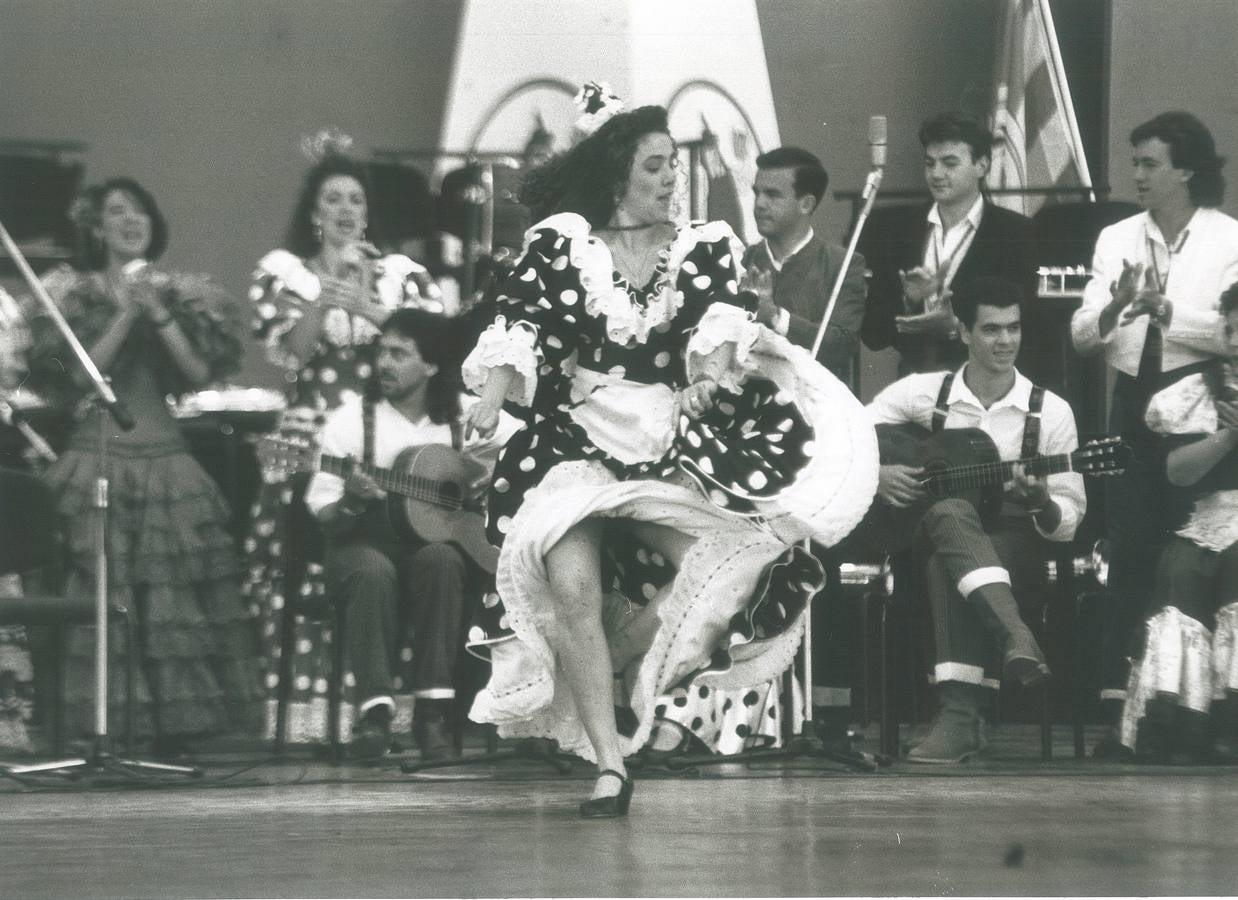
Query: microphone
x=876, y=155
x=877, y=141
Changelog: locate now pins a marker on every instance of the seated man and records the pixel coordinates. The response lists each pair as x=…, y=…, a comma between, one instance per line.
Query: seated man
x=971, y=575
x=389, y=579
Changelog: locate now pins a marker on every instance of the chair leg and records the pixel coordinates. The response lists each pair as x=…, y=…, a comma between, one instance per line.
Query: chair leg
x=889, y=714
x=59, y=662
x=131, y=674
x=336, y=684
x=283, y=690
x=1046, y=700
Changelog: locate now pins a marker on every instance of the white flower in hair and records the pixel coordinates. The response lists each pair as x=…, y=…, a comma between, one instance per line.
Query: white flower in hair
x=597, y=103
x=327, y=142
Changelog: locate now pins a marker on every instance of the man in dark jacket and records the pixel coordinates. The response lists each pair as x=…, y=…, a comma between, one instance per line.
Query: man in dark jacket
x=917, y=256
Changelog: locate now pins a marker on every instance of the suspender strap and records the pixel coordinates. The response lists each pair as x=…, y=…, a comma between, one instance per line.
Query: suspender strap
x=1031, y=424
x=942, y=409
x=457, y=435
x=367, y=431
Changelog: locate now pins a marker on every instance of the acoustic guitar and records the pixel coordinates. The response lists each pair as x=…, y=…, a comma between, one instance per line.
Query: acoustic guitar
x=425, y=485
x=964, y=463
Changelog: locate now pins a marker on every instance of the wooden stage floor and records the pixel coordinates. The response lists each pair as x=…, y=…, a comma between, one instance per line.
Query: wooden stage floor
x=1004, y=825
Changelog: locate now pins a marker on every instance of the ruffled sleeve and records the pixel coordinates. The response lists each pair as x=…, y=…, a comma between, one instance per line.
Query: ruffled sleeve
x=281, y=282
x=401, y=281
x=211, y=320
x=88, y=310
x=539, y=313
x=705, y=261
x=1185, y=407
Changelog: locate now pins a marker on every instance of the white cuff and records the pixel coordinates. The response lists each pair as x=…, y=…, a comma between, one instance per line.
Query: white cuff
x=783, y=322
x=962, y=672
x=978, y=578
x=435, y=694
x=502, y=346
x=381, y=700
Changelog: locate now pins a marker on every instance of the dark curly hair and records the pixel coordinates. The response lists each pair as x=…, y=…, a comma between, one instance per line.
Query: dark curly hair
x=591, y=177
x=300, y=238
x=87, y=213
x=440, y=341
x=1214, y=374
x=1191, y=146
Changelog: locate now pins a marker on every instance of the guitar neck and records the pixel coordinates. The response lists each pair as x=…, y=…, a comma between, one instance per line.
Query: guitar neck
x=994, y=473
x=402, y=484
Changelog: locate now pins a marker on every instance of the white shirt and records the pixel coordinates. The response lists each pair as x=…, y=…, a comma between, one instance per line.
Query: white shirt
x=913, y=399
x=1205, y=264
x=342, y=436
x=947, y=248
x=783, y=321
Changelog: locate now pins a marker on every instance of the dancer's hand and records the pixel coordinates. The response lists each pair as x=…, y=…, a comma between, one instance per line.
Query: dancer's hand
x=482, y=419
x=900, y=485
x=697, y=398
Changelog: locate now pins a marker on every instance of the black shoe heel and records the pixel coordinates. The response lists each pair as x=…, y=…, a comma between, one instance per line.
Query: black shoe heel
x=610, y=807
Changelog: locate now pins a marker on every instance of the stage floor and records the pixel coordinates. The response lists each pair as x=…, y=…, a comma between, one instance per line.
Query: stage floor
x=1004, y=825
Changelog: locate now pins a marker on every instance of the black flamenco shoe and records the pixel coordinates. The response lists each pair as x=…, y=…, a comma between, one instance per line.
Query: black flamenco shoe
x=610, y=807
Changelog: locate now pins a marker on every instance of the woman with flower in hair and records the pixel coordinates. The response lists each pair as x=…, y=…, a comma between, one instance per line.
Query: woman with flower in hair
x=673, y=456
x=170, y=558
x=318, y=305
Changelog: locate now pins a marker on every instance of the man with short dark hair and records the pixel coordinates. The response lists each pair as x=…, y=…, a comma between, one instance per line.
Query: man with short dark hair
x=1153, y=307
x=973, y=576
x=793, y=270
x=918, y=260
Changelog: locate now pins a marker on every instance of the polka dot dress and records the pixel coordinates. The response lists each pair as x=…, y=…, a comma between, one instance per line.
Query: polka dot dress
x=341, y=365
x=750, y=444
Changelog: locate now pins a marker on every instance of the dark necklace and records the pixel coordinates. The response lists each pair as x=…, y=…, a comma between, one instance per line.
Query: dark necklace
x=631, y=227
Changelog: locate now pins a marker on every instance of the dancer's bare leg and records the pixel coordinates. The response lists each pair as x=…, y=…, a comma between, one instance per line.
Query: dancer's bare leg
x=575, y=571
x=638, y=629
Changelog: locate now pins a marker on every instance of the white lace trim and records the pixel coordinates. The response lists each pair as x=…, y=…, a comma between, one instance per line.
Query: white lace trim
x=500, y=345
x=1225, y=652
x=1213, y=523
x=724, y=323
x=626, y=321
x=1177, y=661
x=1184, y=407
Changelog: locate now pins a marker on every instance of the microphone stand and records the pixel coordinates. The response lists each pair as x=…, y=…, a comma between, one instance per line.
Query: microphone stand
x=797, y=745
x=101, y=761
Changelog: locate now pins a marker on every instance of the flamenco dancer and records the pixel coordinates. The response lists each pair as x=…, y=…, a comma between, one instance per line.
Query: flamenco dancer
x=632, y=356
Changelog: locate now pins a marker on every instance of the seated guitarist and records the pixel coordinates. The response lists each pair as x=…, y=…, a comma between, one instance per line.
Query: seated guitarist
x=389, y=582
x=970, y=574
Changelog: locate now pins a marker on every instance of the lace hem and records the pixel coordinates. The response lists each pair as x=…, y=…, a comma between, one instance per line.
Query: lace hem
x=500, y=345
x=1213, y=524
x=724, y=324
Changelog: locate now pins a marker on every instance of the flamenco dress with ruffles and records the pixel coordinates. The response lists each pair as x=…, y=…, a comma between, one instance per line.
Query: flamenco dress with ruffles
x=337, y=370
x=1190, y=646
x=171, y=560
x=786, y=453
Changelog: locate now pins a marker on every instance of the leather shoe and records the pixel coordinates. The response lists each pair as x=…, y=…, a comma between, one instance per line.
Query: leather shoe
x=432, y=739
x=371, y=739
x=614, y=806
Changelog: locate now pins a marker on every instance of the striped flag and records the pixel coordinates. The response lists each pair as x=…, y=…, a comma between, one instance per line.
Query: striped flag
x=1037, y=136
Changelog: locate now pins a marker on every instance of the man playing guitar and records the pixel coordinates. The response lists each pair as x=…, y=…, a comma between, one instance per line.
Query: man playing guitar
x=970, y=573
x=390, y=581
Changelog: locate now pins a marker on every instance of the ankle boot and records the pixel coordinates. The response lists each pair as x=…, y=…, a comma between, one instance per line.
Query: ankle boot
x=1157, y=733
x=1022, y=659
x=954, y=736
x=430, y=731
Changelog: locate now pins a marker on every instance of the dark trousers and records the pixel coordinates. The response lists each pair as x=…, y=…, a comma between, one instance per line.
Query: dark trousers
x=957, y=550
x=1138, y=517
x=388, y=588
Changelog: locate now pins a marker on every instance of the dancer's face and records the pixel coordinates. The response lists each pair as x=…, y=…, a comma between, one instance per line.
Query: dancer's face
x=124, y=227
x=401, y=368
x=340, y=211
x=651, y=180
